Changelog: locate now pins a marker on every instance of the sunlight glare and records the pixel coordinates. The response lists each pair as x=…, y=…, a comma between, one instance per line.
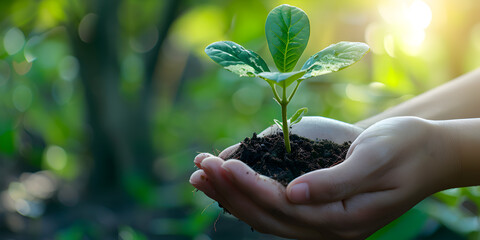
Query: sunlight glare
x=406, y=22
x=419, y=14
x=389, y=45
x=412, y=41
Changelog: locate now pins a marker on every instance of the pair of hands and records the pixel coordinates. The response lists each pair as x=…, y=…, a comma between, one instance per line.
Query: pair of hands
x=390, y=167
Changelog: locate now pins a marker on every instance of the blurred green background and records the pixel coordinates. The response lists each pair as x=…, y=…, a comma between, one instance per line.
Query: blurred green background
x=104, y=104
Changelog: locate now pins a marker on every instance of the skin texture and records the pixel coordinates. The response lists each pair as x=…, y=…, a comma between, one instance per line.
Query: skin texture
x=236, y=186
x=456, y=99
x=392, y=165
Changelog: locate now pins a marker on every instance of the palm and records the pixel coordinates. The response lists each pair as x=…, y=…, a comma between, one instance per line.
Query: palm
x=245, y=196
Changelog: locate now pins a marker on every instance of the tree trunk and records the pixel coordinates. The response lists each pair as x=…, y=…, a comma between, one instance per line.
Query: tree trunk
x=120, y=131
x=113, y=125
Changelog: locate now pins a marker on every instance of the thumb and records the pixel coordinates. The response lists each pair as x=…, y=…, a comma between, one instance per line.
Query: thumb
x=326, y=185
x=225, y=154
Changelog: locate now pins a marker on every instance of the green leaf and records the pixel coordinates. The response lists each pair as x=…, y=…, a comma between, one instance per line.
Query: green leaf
x=298, y=115
x=279, y=124
x=334, y=58
x=408, y=226
x=278, y=77
x=236, y=58
x=287, y=29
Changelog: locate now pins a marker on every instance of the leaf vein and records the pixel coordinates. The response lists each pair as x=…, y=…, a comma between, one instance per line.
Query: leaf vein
x=283, y=41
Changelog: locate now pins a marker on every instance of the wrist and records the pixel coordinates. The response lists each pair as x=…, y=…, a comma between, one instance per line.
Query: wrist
x=443, y=146
x=463, y=137
x=427, y=155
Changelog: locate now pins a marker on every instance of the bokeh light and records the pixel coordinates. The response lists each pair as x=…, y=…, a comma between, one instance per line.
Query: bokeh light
x=22, y=68
x=419, y=14
x=27, y=195
x=189, y=30
x=56, y=157
x=145, y=41
x=102, y=117
x=29, y=46
x=85, y=28
x=13, y=40
x=68, y=68
x=40, y=185
x=405, y=24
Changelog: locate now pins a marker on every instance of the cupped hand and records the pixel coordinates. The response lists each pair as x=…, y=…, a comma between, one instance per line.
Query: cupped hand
x=389, y=168
x=256, y=199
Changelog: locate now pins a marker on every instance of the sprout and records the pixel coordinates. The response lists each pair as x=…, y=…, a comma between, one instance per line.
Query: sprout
x=287, y=30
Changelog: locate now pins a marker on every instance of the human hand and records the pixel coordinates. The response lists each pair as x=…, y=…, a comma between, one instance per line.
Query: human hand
x=390, y=167
x=217, y=183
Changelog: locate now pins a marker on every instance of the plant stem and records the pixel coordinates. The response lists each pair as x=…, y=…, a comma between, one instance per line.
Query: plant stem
x=275, y=94
x=286, y=135
x=294, y=91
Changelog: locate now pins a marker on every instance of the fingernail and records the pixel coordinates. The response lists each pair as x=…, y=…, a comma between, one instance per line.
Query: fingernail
x=197, y=177
x=206, y=163
x=200, y=157
x=299, y=193
x=192, y=181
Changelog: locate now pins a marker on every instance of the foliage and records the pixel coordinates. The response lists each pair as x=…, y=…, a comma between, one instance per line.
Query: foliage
x=46, y=135
x=287, y=29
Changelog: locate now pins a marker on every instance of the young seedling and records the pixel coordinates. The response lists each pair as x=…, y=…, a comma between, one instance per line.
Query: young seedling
x=287, y=30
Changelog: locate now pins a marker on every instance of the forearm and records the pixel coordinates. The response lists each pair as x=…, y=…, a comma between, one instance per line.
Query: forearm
x=456, y=99
x=462, y=143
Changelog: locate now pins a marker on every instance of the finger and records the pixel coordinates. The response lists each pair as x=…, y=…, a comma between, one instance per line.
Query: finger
x=227, y=191
x=360, y=172
x=371, y=211
x=270, y=195
x=330, y=184
x=199, y=158
x=245, y=209
x=324, y=185
x=201, y=182
x=225, y=154
x=251, y=183
x=360, y=215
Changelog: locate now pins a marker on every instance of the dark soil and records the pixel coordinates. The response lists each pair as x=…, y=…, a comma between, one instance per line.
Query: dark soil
x=267, y=155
